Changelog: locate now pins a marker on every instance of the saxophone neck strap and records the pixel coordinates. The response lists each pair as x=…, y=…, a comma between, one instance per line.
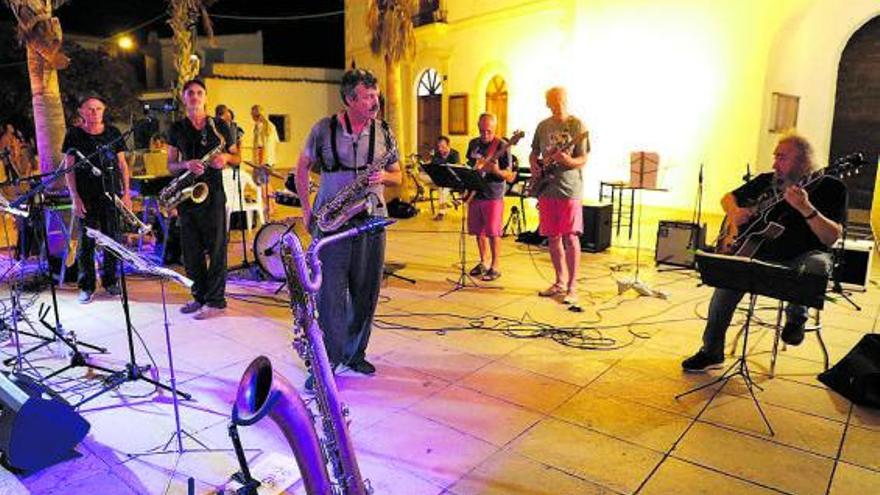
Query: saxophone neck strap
x=336, y=166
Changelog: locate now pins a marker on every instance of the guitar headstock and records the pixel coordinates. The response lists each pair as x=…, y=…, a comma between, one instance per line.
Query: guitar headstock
x=847, y=166
x=517, y=135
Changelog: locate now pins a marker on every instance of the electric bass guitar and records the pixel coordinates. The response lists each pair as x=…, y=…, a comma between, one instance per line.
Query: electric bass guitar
x=547, y=168
x=746, y=239
x=500, y=150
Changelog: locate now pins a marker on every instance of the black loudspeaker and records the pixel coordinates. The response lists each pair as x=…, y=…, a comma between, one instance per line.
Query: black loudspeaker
x=677, y=242
x=853, y=267
x=597, y=227
x=857, y=375
x=37, y=426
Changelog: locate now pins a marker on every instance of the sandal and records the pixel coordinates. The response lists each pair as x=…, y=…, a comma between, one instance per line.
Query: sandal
x=477, y=270
x=553, y=290
x=490, y=275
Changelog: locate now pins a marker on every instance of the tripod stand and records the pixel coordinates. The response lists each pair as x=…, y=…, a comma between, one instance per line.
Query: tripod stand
x=514, y=222
x=739, y=368
x=251, y=269
x=110, y=184
x=36, y=214
x=458, y=179
x=838, y=262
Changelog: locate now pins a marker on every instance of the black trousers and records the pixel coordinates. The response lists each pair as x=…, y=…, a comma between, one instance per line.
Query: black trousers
x=100, y=216
x=203, y=242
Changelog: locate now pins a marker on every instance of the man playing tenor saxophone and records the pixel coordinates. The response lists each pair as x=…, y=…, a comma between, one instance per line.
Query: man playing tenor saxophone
x=202, y=225
x=341, y=148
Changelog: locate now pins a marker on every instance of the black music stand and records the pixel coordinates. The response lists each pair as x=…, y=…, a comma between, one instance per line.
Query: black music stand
x=755, y=278
x=460, y=179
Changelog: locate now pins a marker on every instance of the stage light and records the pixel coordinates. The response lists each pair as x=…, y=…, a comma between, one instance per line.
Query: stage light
x=125, y=42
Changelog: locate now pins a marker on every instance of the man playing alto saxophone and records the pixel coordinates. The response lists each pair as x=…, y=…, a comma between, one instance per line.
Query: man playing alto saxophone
x=340, y=148
x=202, y=225
x=87, y=185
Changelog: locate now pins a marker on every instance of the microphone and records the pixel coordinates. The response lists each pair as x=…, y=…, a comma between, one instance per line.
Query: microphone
x=701, y=174
x=82, y=159
x=748, y=175
x=162, y=108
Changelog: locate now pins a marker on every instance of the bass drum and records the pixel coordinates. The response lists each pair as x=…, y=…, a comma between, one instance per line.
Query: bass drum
x=267, y=248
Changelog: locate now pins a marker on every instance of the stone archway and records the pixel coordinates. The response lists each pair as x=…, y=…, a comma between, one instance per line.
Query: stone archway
x=856, y=125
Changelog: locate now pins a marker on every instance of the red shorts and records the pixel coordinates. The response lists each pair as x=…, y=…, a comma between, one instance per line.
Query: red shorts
x=485, y=217
x=560, y=216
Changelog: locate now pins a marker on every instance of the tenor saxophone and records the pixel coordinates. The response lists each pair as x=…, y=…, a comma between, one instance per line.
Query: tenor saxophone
x=320, y=442
x=184, y=186
x=350, y=200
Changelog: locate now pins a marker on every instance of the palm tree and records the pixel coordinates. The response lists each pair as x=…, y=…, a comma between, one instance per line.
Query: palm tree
x=41, y=34
x=183, y=19
x=393, y=39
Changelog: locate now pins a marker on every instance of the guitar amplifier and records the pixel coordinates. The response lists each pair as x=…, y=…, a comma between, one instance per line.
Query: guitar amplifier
x=677, y=242
x=853, y=268
x=597, y=227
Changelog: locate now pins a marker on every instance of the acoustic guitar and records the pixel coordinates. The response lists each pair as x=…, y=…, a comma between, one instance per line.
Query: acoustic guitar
x=746, y=239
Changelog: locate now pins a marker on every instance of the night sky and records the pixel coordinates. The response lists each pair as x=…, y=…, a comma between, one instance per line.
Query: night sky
x=309, y=43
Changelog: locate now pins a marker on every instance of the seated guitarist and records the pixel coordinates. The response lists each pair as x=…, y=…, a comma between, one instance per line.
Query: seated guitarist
x=486, y=209
x=557, y=181
x=812, y=218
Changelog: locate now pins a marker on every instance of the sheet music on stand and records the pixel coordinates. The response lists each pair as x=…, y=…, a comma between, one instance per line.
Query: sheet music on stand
x=142, y=265
x=644, y=168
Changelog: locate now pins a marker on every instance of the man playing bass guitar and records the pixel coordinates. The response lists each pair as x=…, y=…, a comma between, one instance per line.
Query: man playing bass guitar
x=812, y=217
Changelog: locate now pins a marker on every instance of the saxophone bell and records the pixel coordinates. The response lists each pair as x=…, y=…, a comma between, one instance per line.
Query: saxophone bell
x=261, y=393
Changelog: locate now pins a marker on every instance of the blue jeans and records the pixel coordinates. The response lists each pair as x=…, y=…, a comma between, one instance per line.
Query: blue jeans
x=724, y=302
x=352, y=275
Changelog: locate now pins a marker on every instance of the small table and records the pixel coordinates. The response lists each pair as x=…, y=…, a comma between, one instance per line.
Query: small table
x=617, y=189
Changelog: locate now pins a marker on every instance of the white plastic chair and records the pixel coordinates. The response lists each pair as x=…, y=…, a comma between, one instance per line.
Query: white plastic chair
x=252, y=207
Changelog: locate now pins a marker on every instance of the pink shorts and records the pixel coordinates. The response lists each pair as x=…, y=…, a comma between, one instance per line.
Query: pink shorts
x=560, y=216
x=485, y=216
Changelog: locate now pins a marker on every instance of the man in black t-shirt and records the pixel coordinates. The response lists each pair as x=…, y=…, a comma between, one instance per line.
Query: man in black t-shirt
x=203, y=225
x=105, y=171
x=486, y=208
x=813, y=218
x=443, y=154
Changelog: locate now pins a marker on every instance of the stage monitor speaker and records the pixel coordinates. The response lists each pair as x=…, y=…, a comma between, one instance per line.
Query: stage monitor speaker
x=597, y=227
x=677, y=242
x=857, y=375
x=37, y=426
x=854, y=268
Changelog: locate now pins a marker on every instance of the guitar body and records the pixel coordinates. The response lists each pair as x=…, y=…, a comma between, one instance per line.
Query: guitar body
x=547, y=170
x=745, y=240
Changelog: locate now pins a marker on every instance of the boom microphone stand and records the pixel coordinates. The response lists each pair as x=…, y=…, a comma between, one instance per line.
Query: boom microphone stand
x=37, y=215
x=132, y=371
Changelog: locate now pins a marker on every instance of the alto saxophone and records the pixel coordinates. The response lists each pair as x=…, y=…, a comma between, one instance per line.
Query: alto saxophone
x=128, y=216
x=262, y=392
x=350, y=200
x=184, y=186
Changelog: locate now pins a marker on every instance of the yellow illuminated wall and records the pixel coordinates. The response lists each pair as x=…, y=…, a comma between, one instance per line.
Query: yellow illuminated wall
x=690, y=79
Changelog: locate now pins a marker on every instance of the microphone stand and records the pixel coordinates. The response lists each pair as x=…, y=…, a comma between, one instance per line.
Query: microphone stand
x=251, y=268
x=59, y=334
x=132, y=371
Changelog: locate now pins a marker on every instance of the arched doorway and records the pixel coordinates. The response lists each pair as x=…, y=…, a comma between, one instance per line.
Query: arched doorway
x=496, y=102
x=430, y=110
x=856, y=126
